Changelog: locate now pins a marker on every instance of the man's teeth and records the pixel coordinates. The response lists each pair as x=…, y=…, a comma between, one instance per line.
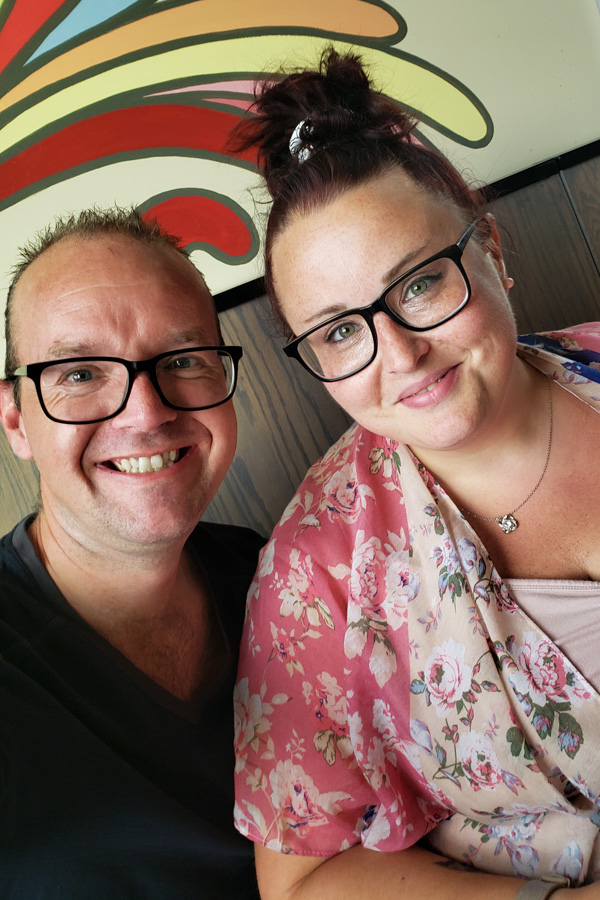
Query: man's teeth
x=147, y=463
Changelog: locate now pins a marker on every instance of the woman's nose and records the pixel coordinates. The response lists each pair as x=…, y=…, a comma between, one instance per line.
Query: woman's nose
x=398, y=348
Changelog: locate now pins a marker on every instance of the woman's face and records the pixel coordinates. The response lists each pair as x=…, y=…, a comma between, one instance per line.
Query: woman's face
x=435, y=390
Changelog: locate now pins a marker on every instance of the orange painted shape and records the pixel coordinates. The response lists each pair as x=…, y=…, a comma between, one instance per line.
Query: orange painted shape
x=203, y=17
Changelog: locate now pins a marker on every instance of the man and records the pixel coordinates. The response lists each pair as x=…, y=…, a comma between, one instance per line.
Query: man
x=119, y=614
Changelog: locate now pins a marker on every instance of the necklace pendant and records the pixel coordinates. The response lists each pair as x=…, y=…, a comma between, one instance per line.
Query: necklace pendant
x=507, y=523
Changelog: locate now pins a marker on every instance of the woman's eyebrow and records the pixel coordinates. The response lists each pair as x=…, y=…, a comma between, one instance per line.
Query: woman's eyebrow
x=399, y=268
x=402, y=265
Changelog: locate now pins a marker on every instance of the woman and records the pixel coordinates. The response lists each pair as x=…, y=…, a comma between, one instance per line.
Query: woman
x=408, y=673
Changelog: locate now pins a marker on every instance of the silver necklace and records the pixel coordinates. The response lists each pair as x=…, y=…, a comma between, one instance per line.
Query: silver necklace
x=507, y=522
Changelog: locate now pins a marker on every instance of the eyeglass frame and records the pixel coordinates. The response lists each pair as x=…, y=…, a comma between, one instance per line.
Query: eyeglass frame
x=454, y=252
x=133, y=367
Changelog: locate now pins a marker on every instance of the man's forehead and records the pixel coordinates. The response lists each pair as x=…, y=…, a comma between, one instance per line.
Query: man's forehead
x=75, y=258
x=80, y=279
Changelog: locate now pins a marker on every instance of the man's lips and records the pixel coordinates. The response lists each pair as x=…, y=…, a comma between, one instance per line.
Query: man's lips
x=154, y=462
x=425, y=384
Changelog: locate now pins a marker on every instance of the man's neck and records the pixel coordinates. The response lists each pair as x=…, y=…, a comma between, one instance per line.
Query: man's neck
x=153, y=608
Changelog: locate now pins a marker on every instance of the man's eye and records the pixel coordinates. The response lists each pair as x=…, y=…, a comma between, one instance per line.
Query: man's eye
x=182, y=362
x=79, y=376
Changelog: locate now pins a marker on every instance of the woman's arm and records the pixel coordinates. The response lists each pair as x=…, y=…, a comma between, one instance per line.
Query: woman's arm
x=357, y=874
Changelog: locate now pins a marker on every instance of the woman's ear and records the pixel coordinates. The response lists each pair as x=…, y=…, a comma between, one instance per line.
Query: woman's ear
x=12, y=421
x=492, y=245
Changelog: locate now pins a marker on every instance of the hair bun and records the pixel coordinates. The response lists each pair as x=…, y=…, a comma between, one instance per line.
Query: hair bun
x=311, y=110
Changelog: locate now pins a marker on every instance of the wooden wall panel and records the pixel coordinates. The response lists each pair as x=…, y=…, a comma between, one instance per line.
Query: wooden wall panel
x=556, y=280
x=18, y=487
x=582, y=183
x=286, y=421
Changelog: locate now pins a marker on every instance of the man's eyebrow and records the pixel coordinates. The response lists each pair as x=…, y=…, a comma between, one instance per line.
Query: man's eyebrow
x=177, y=341
x=398, y=269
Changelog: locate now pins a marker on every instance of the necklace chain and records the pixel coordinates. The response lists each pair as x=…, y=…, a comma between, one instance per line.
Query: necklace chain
x=507, y=522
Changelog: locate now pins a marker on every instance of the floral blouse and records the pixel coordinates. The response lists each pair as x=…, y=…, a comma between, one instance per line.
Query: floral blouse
x=390, y=687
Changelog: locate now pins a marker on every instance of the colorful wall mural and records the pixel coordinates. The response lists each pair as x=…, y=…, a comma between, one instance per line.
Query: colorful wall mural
x=131, y=101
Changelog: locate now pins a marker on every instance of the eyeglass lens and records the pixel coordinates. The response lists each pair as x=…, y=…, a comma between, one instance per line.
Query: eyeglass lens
x=79, y=391
x=422, y=299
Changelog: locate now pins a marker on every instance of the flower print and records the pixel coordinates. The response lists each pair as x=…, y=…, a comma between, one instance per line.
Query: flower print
x=386, y=460
x=467, y=554
x=447, y=677
x=545, y=675
x=479, y=761
x=330, y=711
x=401, y=585
x=379, y=829
x=503, y=599
x=301, y=805
x=367, y=562
x=524, y=859
x=300, y=588
x=298, y=597
x=344, y=496
x=284, y=647
x=250, y=721
x=450, y=576
x=421, y=735
x=569, y=862
x=375, y=769
x=265, y=567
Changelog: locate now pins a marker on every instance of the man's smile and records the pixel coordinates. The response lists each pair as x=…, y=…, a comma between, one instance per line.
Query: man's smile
x=142, y=464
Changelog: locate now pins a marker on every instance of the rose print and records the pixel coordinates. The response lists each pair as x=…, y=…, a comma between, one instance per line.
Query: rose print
x=344, y=496
x=301, y=805
x=250, y=721
x=447, y=677
x=479, y=761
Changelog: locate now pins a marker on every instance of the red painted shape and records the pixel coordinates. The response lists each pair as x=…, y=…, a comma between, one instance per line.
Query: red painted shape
x=160, y=126
x=24, y=19
x=198, y=219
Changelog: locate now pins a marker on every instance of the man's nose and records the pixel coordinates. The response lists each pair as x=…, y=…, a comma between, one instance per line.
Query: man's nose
x=144, y=407
x=399, y=349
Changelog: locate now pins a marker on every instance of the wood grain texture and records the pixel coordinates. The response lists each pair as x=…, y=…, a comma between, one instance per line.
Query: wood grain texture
x=583, y=187
x=286, y=420
x=18, y=487
x=556, y=280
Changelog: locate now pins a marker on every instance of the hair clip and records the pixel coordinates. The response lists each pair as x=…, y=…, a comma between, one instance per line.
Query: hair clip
x=298, y=147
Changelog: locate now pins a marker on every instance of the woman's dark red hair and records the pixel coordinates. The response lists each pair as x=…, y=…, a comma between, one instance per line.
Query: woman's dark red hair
x=352, y=133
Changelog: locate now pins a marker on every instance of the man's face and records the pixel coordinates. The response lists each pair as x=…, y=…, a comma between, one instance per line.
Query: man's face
x=114, y=296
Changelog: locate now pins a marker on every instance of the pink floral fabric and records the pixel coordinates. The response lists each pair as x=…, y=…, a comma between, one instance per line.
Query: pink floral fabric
x=391, y=689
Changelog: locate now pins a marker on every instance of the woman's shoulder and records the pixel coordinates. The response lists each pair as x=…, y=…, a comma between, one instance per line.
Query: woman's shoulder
x=575, y=339
x=342, y=486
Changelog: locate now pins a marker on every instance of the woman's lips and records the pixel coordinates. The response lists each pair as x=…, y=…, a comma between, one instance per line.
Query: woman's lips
x=429, y=390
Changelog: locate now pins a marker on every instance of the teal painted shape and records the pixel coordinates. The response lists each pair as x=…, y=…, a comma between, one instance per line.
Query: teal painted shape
x=84, y=16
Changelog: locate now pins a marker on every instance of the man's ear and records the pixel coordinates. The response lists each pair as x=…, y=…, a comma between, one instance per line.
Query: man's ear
x=492, y=245
x=12, y=422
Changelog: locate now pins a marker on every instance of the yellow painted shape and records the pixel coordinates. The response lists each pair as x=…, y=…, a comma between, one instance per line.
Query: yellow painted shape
x=207, y=17
x=402, y=79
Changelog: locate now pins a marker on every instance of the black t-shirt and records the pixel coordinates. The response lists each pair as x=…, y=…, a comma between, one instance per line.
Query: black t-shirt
x=110, y=787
